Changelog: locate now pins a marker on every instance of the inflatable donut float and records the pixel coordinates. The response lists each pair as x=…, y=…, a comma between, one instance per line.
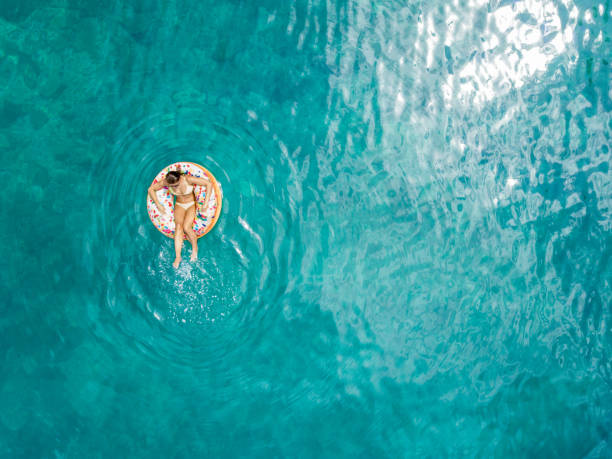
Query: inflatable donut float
x=205, y=219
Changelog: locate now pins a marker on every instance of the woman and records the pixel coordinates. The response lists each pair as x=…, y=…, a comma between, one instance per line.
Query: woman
x=181, y=185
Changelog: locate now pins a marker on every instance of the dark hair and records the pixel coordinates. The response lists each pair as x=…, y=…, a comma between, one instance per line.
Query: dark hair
x=173, y=177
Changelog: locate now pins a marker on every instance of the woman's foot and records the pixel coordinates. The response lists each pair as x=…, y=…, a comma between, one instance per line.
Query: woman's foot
x=194, y=256
x=177, y=260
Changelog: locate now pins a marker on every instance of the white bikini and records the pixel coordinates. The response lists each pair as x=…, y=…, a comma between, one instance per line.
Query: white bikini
x=184, y=205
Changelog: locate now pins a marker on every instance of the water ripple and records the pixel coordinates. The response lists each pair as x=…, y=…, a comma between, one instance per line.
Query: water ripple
x=469, y=169
x=416, y=225
x=203, y=310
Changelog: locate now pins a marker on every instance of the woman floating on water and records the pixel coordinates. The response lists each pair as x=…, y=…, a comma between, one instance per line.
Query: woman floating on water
x=181, y=185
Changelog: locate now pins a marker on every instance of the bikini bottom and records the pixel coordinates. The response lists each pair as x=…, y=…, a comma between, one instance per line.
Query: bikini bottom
x=185, y=205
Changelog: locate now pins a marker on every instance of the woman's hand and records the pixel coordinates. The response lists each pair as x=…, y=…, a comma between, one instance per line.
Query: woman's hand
x=206, y=195
x=162, y=210
x=204, y=206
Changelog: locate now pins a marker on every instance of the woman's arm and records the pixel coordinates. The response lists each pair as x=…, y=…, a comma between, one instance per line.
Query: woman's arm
x=202, y=181
x=207, y=197
x=205, y=182
x=152, y=192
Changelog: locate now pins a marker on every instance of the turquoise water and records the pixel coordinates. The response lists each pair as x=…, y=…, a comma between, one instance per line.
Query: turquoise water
x=413, y=258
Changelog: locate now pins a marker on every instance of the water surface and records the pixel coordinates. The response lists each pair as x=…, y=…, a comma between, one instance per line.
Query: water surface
x=413, y=257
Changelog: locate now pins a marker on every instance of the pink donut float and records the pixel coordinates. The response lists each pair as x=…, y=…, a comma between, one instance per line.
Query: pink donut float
x=205, y=219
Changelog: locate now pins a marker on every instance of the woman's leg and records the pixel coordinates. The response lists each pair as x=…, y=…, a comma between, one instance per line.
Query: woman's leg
x=188, y=229
x=179, y=217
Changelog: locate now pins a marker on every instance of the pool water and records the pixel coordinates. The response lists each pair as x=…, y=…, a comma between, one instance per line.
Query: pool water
x=413, y=256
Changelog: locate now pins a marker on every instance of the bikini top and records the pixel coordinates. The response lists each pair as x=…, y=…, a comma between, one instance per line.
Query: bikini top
x=189, y=191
